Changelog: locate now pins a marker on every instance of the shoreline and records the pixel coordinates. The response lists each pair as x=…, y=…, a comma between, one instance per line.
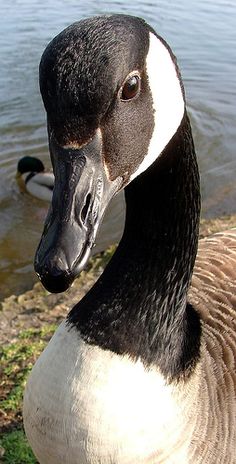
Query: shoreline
x=35, y=307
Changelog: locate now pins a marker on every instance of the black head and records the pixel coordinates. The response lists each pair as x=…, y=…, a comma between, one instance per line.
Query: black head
x=114, y=99
x=82, y=74
x=30, y=164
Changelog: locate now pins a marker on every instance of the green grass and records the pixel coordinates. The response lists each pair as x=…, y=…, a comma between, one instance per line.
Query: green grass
x=16, y=361
x=17, y=450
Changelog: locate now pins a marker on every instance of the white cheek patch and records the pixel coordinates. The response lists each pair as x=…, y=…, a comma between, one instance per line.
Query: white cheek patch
x=168, y=101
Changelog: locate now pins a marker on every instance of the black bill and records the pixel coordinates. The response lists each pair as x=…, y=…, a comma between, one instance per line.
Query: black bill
x=81, y=194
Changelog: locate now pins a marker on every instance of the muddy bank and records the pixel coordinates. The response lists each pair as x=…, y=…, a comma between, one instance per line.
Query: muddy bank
x=37, y=307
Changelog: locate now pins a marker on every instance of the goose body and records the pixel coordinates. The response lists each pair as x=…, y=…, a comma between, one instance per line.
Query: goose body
x=109, y=408
x=143, y=369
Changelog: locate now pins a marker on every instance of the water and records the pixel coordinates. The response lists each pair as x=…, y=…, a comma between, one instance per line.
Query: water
x=202, y=34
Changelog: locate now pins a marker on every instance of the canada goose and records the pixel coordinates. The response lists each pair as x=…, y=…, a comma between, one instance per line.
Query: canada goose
x=142, y=371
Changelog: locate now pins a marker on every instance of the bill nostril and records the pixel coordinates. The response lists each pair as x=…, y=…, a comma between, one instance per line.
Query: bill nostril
x=85, y=208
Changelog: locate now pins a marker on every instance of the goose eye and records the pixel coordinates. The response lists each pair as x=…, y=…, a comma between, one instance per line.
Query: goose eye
x=130, y=88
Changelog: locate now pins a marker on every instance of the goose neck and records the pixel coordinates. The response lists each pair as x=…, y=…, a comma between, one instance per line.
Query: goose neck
x=139, y=305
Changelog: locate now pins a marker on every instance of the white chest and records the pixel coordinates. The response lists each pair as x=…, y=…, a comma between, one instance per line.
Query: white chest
x=84, y=405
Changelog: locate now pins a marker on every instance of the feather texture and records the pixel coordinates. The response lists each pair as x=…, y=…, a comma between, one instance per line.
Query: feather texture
x=213, y=294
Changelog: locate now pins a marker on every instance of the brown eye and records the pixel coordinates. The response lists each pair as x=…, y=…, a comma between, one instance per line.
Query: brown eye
x=131, y=88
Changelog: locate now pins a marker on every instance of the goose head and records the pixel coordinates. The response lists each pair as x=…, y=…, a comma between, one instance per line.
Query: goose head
x=114, y=100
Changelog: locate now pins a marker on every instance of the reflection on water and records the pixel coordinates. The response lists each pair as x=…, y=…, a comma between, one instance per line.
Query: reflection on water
x=203, y=36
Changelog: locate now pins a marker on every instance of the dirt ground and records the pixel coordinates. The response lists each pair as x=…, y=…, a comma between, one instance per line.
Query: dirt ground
x=37, y=307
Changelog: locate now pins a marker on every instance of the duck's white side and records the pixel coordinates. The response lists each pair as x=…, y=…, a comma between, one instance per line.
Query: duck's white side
x=40, y=185
x=143, y=369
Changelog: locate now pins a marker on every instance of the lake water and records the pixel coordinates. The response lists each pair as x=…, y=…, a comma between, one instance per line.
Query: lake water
x=202, y=34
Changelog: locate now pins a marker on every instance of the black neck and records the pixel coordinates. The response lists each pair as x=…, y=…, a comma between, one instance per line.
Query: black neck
x=139, y=305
